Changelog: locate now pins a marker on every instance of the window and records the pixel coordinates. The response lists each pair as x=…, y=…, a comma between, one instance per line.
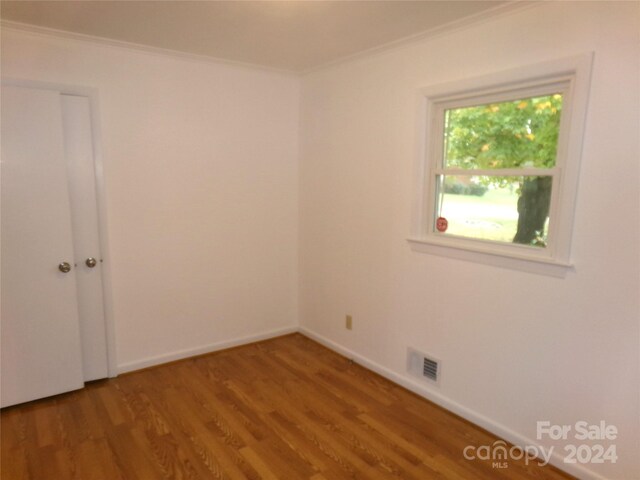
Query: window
x=500, y=162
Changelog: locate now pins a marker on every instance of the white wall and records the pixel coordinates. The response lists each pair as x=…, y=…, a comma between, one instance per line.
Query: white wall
x=515, y=347
x=200, y=165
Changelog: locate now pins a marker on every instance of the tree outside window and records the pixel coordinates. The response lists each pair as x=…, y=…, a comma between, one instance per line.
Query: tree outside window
x=503, y=136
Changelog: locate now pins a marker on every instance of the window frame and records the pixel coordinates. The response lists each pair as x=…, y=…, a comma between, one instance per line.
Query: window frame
x=568, y=76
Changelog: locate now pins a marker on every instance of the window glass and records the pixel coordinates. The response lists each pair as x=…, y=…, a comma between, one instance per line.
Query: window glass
x=518, y=134
x=514, y=134
x=489, y=208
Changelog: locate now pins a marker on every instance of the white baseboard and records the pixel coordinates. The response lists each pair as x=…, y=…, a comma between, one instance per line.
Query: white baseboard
x=497, y=429
x=192, y=352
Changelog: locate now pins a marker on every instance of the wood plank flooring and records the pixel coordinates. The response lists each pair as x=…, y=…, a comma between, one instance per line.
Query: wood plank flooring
x=285, y=408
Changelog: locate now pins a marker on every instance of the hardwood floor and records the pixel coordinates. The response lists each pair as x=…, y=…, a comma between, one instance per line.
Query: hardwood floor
x=285, y=408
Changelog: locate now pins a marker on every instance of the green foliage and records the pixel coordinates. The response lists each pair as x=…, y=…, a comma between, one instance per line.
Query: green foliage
x=540, y=239
x=521, y=133
x=452, y=185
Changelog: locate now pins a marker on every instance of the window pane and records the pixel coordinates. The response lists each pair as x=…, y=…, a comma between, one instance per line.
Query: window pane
x=514, y=134
x=503, y=209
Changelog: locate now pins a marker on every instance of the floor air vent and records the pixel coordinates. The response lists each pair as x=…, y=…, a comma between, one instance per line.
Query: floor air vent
x=423, y=366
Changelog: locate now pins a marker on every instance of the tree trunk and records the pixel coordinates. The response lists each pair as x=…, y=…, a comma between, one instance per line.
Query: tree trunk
x=533, y=209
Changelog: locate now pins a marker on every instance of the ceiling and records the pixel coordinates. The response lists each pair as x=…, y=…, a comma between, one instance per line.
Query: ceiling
x=287, y=35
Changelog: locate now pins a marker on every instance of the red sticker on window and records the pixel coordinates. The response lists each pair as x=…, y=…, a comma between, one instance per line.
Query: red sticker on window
x=442, y=224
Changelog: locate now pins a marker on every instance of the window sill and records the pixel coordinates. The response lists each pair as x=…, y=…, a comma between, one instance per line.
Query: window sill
x=491, y=256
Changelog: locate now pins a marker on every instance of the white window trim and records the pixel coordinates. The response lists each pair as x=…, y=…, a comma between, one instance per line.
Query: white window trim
x=571, y=76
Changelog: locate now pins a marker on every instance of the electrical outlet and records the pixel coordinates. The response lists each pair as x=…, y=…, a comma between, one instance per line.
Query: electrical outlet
x=349, y=322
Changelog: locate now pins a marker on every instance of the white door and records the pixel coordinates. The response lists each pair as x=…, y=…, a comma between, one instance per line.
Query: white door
x=76, y=121
x=52, y=322
x=40, y=347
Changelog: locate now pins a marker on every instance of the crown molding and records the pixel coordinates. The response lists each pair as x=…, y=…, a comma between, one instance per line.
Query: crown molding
x=513, y=6
x=137, y=47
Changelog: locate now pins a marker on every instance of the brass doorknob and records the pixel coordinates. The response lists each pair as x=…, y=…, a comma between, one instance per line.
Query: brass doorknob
x=91, y=262
x=64, y=267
